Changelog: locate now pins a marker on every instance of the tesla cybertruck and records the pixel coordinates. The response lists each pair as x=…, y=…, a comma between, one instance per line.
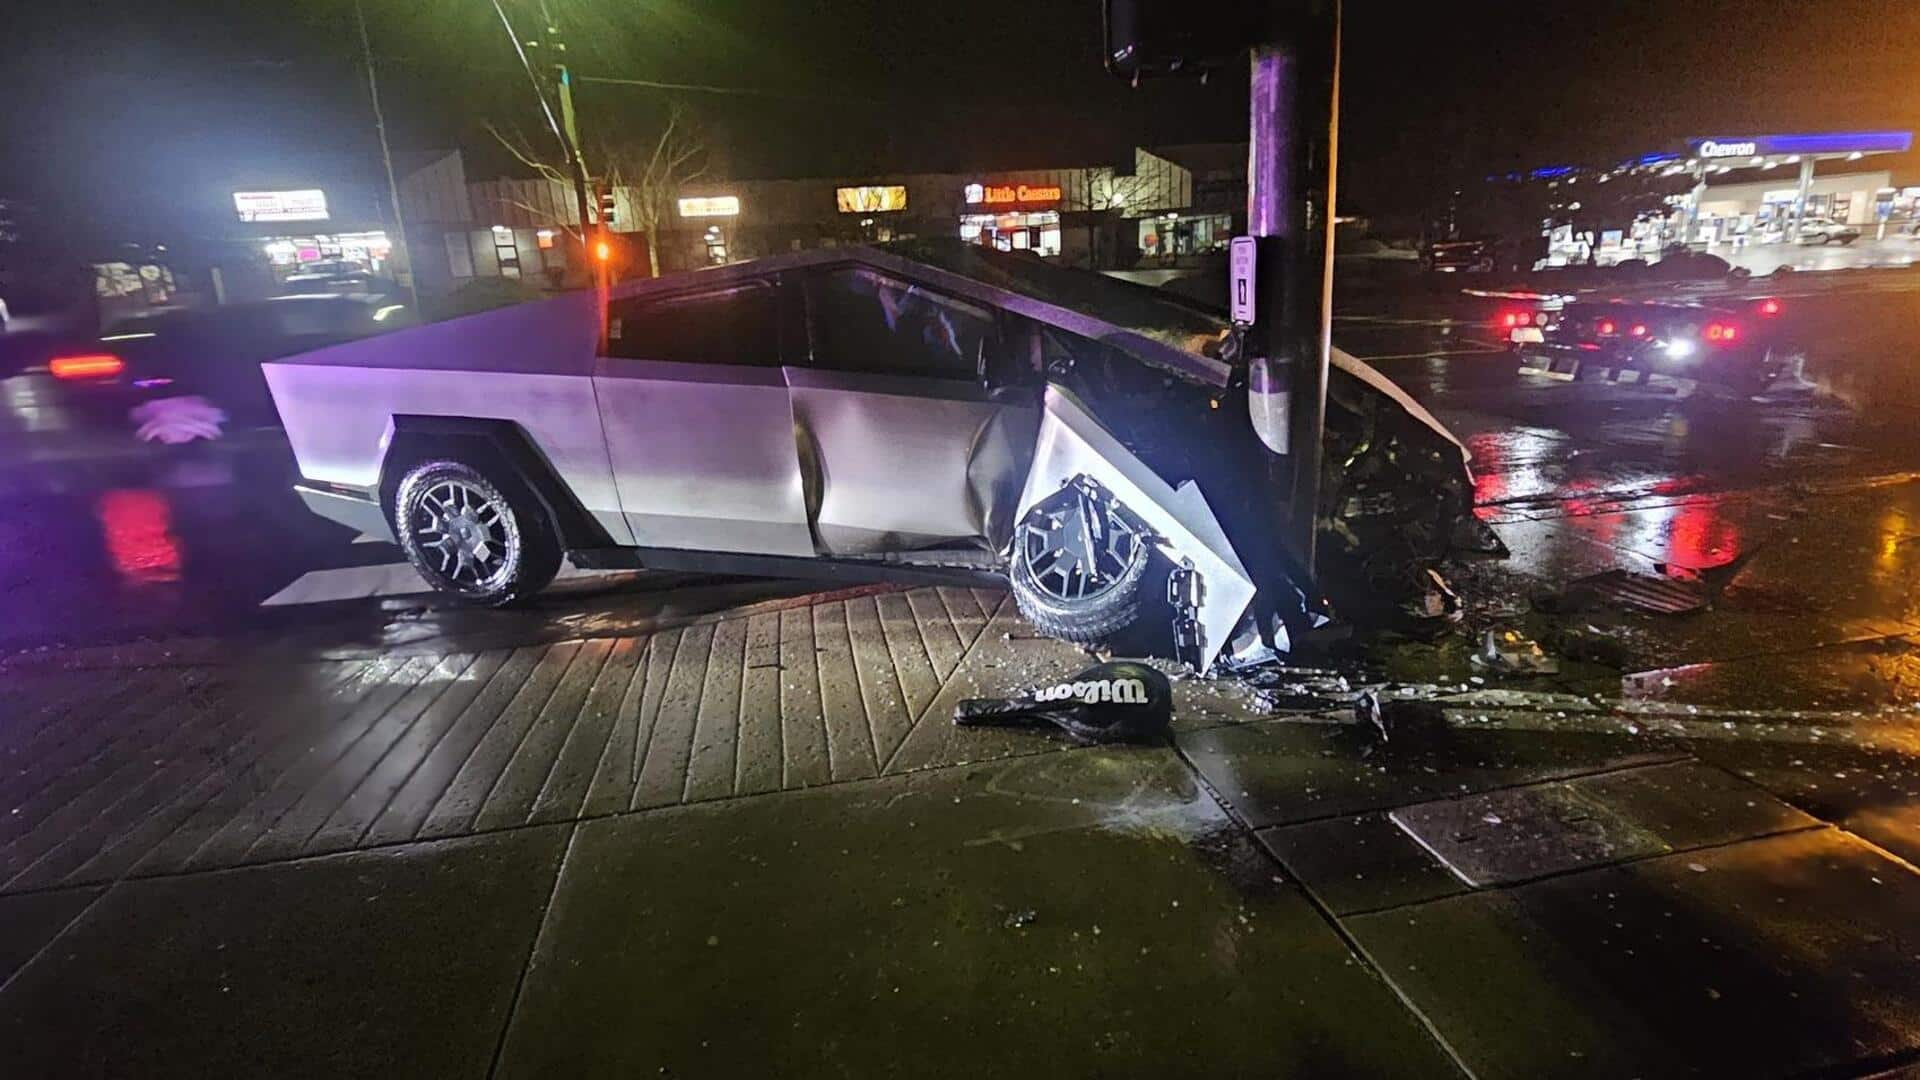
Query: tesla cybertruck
x=924, y=411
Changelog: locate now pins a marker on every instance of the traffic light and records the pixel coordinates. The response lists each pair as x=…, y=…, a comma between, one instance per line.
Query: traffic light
x=1159, y=38
x=607, y=210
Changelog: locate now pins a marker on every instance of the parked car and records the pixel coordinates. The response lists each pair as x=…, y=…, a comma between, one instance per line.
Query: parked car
x=932, y=411
x=1735, y=345
x=215, y=353
x=1827, y=232
x=1462, y=256
x=335, y=276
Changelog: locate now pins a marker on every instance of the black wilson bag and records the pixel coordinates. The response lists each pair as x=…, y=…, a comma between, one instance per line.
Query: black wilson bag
x=1118, y=701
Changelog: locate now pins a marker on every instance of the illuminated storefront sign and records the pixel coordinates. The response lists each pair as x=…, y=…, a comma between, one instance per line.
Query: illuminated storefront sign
x=306, y=205
x=1821, y=142
x=870, y=200
x=1012, y=194
x=711, y=206
x=1711, y=149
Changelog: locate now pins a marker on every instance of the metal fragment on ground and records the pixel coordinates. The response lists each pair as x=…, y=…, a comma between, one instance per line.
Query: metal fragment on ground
x=1509, y=652
x=1644, y=592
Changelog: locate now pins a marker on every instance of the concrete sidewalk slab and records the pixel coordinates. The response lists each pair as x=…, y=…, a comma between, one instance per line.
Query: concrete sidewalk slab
x=30, y=920
x=1090, y=912
x=1285, y=771
x=1766, y=958
x=396, y=963
x=1516, y=834
x=164, y=769
x=1360, y=863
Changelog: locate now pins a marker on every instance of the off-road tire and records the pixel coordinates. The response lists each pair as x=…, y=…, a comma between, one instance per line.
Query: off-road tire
x=1086, y=620
x=532, y=550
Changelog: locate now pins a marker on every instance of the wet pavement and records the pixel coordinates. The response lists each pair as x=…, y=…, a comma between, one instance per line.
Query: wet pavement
x=695, y=827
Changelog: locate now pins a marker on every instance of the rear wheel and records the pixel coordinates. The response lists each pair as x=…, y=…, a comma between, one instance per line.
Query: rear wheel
x=474, y=533
x=1078, y=559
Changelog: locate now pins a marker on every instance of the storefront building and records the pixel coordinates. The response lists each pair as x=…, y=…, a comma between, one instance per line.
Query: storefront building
x=1731, y=190
x=1083, y=216
x=1098, y=216
x=277, y=233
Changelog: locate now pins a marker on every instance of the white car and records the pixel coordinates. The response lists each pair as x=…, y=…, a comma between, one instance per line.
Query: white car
x=1827, y=232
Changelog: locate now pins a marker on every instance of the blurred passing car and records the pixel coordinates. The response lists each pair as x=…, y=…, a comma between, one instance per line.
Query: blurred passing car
x=1735, y=345
x=213, y=353
x=929, y=411
x=1827, y=232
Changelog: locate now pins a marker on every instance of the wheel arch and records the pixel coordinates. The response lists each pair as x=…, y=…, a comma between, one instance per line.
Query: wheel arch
x=478, y=441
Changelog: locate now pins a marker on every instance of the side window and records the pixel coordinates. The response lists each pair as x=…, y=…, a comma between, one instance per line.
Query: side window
x=738, y=325
x=868, y=322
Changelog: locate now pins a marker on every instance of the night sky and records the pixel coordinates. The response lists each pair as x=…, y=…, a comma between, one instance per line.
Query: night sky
x=118, y=113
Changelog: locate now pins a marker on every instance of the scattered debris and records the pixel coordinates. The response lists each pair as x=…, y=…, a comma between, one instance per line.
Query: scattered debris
x=1022, y=918
x=1592, y=645
x=1399, y=718
x=1509, y=652
x=1432, y=597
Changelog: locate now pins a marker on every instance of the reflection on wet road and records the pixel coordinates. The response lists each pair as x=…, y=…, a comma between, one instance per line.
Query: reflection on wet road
x=1537, y=439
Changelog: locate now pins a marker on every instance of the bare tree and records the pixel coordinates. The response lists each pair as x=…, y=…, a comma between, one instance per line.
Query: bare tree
x=651, y=174
x=523, y=152
x=645, y=173
x=1106, y=191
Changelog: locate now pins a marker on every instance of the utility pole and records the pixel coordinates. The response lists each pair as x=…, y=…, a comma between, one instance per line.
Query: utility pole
x=386, y=155
x=592, y=234
x=565, y=132
x=1292, y=154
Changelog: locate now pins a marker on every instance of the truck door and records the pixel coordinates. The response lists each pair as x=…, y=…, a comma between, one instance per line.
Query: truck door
x=699, y=427
x=903, y=443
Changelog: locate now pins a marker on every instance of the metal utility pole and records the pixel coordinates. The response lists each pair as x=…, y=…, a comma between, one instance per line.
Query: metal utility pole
x=592, y=234
x=1294, y=140
x=386, y=155
x=566, y=133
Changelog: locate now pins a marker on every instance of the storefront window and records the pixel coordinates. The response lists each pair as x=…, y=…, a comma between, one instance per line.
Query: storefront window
x=371, y=251
x=1038, y=231
x=1175, y=234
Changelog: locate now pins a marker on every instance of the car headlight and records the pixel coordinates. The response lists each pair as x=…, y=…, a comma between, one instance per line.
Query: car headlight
x=1679, y=349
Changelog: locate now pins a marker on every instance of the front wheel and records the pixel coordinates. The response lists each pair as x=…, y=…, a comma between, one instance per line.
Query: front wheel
x=1078, y=559
x=474, y=536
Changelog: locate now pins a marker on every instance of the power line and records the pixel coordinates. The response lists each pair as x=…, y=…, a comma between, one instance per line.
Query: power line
x=753, y=91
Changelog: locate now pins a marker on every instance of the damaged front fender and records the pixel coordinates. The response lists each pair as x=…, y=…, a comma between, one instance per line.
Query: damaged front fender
x=1073, y=445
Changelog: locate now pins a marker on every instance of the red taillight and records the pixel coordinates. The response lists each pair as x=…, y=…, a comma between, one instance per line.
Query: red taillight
x=1606, y=328
x=90, y=366
x=1722, y=333
x=1770, y=306
x=1512, y=319
x=1639, y=330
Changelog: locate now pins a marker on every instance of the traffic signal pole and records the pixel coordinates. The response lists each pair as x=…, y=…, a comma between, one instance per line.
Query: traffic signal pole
x=1292, y=154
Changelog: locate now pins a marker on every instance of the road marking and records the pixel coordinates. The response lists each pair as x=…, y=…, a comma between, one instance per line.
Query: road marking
x=1388, y=320
x=387, y=579
x=1435, y=355
x=349, y=583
